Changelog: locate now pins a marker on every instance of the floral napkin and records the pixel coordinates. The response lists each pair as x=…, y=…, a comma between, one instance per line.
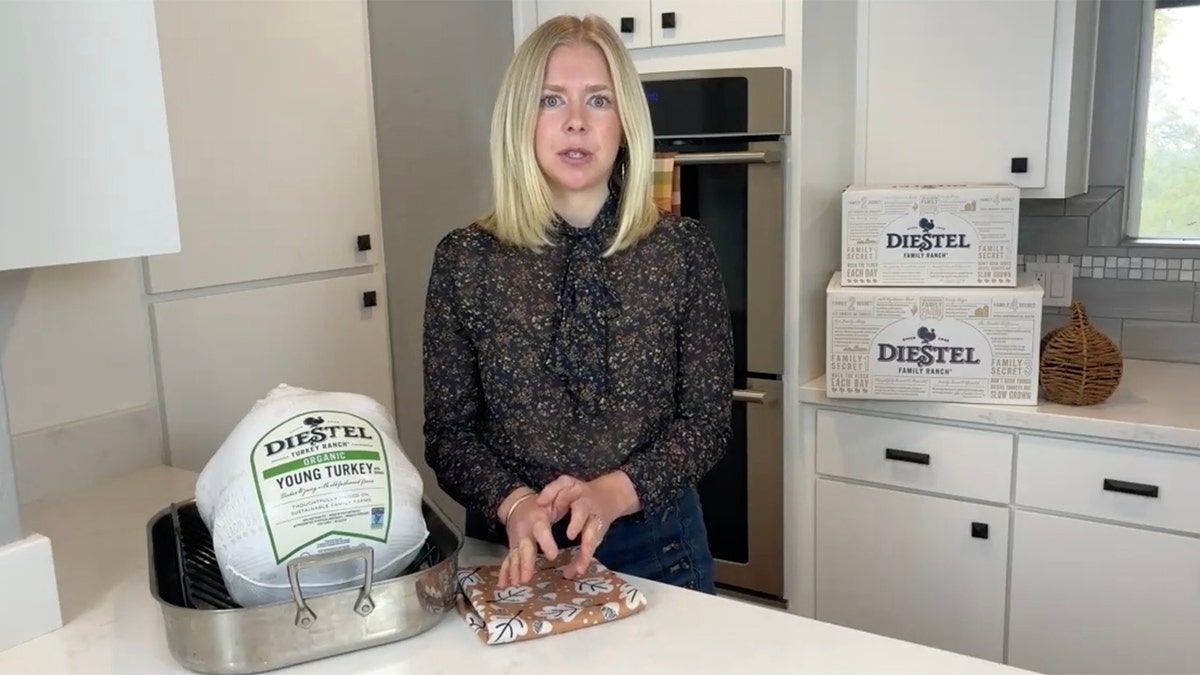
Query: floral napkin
x=549, y=604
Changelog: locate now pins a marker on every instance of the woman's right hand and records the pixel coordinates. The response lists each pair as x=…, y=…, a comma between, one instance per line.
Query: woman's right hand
x=528, y=527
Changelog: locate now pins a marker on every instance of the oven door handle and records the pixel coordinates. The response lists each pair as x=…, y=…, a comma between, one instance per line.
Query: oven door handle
x=738, y=157
x=751, y=396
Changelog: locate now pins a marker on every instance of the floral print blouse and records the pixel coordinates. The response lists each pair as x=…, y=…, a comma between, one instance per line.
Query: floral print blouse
x=560, y=361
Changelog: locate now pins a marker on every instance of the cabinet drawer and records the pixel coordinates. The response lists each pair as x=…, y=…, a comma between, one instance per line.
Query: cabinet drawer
x=947, y=460
x=1131, y=485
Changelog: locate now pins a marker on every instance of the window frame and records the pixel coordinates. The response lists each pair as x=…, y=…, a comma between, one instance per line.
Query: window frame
x=1141, y=103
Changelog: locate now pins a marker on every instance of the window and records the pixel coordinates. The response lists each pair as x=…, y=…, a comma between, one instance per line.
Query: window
x=1165, y=180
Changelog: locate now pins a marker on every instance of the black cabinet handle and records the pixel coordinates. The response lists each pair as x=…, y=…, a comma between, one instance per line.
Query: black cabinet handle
x=364, y=242
x=1139, y=489
x=369, y=299
x=979, y=530
x=668, y=19
x=1020, y=165
x=906, y=456
x=627, y=24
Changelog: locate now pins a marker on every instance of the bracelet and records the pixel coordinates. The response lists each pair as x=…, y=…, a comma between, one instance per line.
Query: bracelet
x=514, y=507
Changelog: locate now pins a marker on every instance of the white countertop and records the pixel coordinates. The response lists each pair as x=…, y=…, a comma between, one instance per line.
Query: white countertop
x=113, y=625
x=1157, y=402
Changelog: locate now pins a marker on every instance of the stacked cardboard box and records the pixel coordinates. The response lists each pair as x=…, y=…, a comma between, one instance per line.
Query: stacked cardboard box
x=928, y=304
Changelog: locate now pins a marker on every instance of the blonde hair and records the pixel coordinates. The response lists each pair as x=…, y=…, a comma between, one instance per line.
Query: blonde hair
x=522, y=212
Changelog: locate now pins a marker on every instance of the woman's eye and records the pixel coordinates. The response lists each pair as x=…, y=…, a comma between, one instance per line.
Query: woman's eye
x=596, y=101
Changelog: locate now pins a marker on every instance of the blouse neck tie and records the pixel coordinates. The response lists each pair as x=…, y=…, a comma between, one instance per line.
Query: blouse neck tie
x=578, y=351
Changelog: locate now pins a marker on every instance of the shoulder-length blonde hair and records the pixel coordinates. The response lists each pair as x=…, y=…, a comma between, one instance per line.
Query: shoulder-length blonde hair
x=522, y=212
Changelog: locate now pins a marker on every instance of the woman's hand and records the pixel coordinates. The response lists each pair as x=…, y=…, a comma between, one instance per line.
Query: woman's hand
x=528, y=526
x=593, y=506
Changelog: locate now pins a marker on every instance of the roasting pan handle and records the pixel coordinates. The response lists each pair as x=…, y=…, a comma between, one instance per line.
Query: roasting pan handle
x=305, y=617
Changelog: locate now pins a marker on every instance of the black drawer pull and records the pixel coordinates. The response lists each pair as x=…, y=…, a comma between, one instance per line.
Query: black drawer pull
x=1139, y=489
x=906, y=456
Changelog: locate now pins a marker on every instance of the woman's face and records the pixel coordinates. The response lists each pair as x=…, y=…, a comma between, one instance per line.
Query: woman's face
x=578, y=130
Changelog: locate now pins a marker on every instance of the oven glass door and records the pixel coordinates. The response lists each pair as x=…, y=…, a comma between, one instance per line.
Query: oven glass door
x=735, y=188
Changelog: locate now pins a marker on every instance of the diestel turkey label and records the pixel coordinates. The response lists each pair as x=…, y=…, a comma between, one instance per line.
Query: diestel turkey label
x=322, y=476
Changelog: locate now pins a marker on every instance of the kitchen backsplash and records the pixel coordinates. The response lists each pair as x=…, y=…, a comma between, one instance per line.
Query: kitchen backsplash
x=1146, y=299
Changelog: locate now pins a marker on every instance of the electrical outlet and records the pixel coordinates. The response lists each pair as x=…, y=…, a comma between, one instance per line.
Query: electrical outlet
x=1055, y=279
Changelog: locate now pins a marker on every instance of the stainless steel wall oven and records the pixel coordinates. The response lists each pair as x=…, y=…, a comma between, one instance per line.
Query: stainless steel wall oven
x=729, y=129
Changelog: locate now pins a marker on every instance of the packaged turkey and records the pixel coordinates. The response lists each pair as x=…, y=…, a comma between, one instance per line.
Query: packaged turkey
x=303, y=473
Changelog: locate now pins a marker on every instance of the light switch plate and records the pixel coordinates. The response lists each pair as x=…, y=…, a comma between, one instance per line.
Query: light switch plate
x=1055, y=279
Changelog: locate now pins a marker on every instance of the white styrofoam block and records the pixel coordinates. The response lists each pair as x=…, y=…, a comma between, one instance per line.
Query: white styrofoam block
x=28, y=591
x=930, y=235
x=964, y=345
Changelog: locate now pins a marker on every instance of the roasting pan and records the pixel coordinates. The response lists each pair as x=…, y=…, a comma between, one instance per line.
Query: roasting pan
x=208, y=632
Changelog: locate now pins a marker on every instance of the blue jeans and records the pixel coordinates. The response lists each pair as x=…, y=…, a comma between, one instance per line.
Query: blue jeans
x=669, y=545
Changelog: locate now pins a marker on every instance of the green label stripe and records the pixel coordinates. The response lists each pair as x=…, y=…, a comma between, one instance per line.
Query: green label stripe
x=320, y=458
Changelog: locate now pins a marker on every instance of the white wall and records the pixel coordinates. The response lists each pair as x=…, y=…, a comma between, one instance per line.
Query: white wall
x=79, y=375
x=85, y=175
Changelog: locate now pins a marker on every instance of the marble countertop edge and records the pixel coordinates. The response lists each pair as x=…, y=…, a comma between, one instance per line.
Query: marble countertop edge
x=1155, y=404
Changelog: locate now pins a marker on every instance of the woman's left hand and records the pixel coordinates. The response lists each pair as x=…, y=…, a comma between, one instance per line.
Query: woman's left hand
x=593, y=505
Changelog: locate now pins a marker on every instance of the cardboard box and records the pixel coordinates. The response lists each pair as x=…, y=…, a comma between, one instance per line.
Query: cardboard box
x=963, y=345
x=930, y=235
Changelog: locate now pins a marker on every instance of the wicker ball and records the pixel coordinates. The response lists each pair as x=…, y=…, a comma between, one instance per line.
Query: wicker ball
x=1079, y=364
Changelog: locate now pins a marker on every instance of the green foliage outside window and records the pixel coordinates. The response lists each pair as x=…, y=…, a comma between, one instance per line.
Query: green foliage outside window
x=1170, y=190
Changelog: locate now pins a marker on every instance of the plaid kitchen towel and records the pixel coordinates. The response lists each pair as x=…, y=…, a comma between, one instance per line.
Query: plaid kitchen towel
x=666, y=182
x=549, y=604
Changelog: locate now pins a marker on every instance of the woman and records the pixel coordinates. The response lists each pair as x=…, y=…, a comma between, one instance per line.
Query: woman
x=578, y=349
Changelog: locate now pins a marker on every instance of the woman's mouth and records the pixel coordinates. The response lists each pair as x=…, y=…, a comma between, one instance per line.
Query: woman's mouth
x=575, y=155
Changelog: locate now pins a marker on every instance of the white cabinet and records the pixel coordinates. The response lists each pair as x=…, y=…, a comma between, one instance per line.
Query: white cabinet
x=979, y=91
x=220, y=353
x=1059, y=555
x=929, y=570
x=271, y=118
x=270, y=113
x=1113, y=596
x=630, y=18
x=657, y=23
x=1091, y=597
x=85, y=161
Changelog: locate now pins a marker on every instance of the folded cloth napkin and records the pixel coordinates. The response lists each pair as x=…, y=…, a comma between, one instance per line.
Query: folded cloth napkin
x=549, y=604
x=666, y=182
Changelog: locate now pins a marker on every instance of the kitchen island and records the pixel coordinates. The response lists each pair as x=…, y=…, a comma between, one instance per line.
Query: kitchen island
x=113, y=625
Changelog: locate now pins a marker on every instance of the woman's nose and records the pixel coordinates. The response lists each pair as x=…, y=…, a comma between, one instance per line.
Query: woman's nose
x=575, y=119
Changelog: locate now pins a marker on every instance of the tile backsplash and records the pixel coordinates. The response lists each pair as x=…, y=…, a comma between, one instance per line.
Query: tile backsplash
x=1146, y=299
